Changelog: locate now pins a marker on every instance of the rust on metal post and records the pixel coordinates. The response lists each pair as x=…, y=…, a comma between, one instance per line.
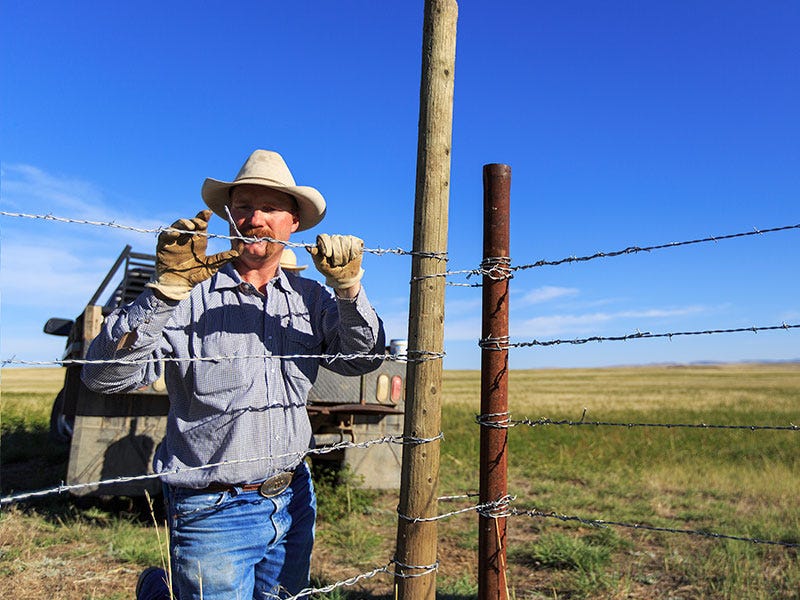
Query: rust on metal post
x=492, y=583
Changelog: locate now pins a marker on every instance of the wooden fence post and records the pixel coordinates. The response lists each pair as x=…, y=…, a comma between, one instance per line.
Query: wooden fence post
x=415, y=555
x=492, y=584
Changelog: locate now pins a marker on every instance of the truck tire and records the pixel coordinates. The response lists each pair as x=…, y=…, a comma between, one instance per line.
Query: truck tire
x=60, y=426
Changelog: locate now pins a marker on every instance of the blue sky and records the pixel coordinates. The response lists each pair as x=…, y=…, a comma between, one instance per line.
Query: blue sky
x=625, y=123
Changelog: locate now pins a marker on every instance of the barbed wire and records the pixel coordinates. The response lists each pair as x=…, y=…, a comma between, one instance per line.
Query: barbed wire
x=502, y=508
x=504, y=421
x=387, y=439
x=410, y=356
x=507, y=272
x=494, y=267
x=458, y=497
x=637, y=249
x=157, y=230
x=504, y=343
x=426, y=569
x=487, y=508
x=515, y=512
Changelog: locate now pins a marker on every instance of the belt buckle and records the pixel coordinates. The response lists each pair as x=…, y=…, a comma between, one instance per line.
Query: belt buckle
x=275, y=485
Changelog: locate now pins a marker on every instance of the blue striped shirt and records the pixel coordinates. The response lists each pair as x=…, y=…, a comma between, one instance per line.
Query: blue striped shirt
x=234, y=410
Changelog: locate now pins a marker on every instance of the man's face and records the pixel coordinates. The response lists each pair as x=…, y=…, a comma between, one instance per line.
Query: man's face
x=262, y=212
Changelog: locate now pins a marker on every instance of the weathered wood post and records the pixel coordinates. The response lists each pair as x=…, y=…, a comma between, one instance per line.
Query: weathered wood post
x=492, y=584
x=419, y=487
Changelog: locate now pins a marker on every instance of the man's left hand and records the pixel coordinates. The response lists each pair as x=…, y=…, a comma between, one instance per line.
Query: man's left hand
x=338, y=258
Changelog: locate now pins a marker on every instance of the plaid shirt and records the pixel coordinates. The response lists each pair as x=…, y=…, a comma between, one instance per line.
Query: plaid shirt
x=224, y=410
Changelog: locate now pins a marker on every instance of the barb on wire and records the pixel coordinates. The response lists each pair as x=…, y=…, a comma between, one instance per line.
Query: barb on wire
x=504, y=421
x=157, y=230
x=515, y=512
x=458, y=497
x=637, y=249
x=60, y=489
x=410, y=356
x=502, y=344
x=468, y=272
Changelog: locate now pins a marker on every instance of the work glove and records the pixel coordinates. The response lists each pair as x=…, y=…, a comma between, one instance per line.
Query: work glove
x=338, y=258
x=181, y=261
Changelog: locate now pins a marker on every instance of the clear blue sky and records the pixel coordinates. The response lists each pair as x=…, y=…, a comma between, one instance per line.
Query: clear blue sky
x=625, y=123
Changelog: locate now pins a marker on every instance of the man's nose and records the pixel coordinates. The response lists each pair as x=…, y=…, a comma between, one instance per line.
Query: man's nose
x=257, y=217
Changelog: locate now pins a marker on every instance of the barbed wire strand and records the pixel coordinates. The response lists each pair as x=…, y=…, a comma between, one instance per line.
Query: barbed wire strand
x=508, y=272
x=491, y=421
x=410, y=356
x=637, y=249
x=458, y=497
x=387, y=439
x=157, y=230
x=514, y=512
x=503, y=343
x=368, y=575
x=490, y=270
x=485, y=508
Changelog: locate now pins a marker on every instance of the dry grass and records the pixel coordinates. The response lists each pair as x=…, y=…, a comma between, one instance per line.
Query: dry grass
x=639, y=389
x=46, y=381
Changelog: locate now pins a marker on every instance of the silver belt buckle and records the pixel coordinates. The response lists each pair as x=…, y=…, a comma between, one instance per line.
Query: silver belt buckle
x=276, y=485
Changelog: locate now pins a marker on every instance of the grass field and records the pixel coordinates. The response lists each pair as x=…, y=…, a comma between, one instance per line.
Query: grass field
x=736, y=482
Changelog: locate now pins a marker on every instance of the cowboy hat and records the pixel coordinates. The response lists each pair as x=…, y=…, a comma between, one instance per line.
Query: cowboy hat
x=289, y=261
x=267, y=169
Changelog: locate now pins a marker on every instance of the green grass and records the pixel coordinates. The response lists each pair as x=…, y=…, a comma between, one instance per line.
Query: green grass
x=735, y=482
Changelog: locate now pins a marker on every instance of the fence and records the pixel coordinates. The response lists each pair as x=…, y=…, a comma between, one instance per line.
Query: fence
x=495, y=505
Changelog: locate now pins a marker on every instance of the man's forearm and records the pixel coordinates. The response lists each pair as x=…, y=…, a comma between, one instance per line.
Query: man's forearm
x=121, y=357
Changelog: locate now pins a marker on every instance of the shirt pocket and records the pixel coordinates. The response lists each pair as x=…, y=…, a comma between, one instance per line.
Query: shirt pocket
x=305, y=346
x=218, y=378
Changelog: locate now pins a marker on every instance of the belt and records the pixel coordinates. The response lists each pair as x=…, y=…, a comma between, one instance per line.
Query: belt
x=268, y=488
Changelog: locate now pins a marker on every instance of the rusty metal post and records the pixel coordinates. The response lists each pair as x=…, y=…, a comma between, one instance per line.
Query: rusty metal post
x=492, y=584
x=416, y=553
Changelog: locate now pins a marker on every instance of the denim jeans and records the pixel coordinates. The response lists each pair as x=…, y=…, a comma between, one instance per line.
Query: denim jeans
x=240, y=545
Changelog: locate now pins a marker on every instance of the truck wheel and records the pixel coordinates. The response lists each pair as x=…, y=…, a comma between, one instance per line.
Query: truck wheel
x=60, y=426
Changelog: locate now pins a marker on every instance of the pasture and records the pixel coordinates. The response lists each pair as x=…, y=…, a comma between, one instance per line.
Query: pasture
x=737, y=482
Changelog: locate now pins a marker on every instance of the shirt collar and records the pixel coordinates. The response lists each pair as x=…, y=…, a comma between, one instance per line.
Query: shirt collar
x=228, y=278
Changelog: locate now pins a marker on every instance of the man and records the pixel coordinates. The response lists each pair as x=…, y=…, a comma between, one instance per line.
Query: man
x=244, y=526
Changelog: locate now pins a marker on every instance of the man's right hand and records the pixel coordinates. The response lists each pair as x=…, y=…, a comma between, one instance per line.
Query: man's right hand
x=181, y=261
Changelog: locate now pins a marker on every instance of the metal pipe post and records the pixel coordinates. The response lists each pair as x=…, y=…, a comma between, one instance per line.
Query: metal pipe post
x=492, y=584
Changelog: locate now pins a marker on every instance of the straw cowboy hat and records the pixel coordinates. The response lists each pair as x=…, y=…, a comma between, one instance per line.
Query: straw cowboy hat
x=289, y=261
x=267, y=169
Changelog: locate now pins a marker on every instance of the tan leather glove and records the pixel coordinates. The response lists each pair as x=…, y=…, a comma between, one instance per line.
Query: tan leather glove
x=181, y=261
x=338, y=258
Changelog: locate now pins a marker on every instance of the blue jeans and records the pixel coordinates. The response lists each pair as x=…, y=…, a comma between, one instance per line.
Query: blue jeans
x=240, y=545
